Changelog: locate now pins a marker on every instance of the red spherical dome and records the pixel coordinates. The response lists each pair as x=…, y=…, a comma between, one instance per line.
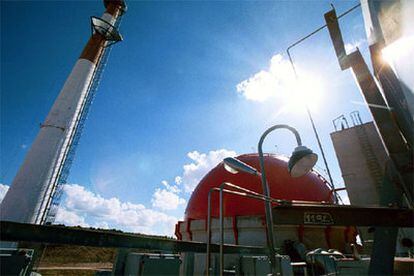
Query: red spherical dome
x=311, y=187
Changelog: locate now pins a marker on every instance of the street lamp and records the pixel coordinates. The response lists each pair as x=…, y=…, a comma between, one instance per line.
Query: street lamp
x=301, y=162
x=233, y=165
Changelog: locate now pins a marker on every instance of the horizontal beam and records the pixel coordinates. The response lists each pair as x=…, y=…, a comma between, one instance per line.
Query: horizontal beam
x=54, y=234
x=342, y=215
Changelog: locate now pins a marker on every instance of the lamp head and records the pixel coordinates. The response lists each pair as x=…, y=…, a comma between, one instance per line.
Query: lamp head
x=301, y=161
x=234, y=165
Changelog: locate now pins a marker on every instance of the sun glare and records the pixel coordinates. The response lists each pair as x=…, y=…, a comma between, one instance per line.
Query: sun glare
x=399, y=49
x=303, y=92
x=279, y=84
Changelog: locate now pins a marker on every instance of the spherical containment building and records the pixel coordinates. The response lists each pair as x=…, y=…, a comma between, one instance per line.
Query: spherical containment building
x=244, y=218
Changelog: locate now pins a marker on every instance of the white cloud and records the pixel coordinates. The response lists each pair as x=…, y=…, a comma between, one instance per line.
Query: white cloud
x=267, y=84
x=350, y=47
x=81, y=205
x=70, y=218
x=279, y=86
x=201, y=165
x=102, y=225
x=3, y=191
x=172, y=188
x=85, y=208
x=178, y=180
x=168, y=197
x=166, y=200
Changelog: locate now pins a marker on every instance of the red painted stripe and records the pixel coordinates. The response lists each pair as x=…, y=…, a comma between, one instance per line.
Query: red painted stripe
x=177, y=231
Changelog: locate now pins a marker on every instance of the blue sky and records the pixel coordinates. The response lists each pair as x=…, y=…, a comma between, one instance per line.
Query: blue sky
x=168, y=105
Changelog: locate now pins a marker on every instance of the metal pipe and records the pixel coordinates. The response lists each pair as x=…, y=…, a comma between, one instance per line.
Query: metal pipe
x=268, y=207
x=208, y=232
x=321, y=149
x=319, y=29
x=221, y=231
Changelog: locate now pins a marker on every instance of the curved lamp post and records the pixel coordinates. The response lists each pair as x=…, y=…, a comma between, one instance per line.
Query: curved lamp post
x=301, y=162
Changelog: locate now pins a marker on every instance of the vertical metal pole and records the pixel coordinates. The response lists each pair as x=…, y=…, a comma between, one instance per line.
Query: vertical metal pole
x=266, y=192
x=385, y=238
x=221, y=232
x=208, y=233
x=268, y=209
x=322, y=152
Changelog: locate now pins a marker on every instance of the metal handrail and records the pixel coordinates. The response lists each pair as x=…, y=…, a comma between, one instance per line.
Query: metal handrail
x=245, y=193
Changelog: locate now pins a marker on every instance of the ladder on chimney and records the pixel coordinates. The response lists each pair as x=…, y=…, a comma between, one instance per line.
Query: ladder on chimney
x=69, y=149
x=53, y=198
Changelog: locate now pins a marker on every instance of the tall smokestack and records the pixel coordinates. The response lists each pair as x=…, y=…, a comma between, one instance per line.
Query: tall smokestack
x=29, y=195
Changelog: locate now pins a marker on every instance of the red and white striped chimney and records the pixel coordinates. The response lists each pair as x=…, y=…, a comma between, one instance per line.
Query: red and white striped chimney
x=25, y=199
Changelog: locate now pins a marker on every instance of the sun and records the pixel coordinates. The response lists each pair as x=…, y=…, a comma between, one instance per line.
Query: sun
x=304, y=92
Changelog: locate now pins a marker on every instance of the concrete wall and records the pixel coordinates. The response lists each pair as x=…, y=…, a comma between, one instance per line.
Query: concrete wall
x=362, y=156
x=362, y=165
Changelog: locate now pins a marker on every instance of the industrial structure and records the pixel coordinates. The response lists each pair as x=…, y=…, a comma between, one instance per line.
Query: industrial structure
x=256, y=214
x=47, y=163
x=362, y=158
x=244, y=218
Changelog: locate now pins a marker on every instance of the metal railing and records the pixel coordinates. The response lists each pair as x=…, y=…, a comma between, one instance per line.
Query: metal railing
x=243, y=192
